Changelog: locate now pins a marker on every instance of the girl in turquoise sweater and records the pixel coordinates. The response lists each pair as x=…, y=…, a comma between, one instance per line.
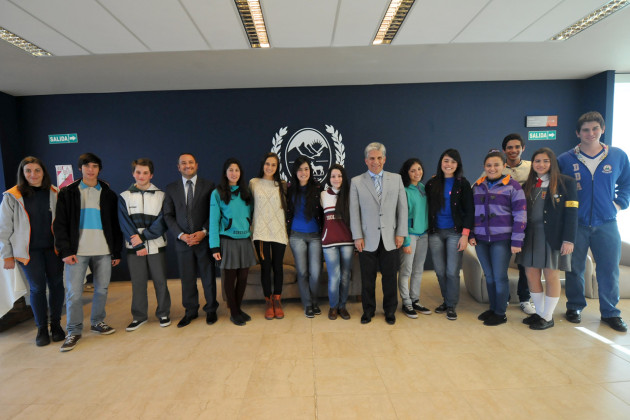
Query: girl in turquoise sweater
x=414, y=249
x=230, y=242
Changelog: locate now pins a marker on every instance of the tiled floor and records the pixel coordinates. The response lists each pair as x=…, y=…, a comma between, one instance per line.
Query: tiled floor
x=299, y=368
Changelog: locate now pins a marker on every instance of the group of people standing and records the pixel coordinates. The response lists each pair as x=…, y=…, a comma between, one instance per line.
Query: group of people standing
x=531, y=209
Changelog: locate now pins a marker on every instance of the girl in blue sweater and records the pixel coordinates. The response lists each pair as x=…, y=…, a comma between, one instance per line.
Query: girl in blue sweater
x=230, y=220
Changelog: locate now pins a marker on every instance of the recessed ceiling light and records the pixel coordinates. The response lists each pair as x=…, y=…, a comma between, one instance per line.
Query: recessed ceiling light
x=22, y=44
x=394, y=17
x=253, y=22
x=590, y=19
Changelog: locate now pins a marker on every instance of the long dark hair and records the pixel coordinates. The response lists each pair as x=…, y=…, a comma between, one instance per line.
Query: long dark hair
x=342, y=208
x=310, y=193
x=554, y=174
x=437, y=190
x=282, y=188
x=22, y=184
x=404, y=170
x=225, y=192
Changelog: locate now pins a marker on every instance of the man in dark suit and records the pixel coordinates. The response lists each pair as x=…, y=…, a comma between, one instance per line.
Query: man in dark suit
x=378, y=219
x=186, y=212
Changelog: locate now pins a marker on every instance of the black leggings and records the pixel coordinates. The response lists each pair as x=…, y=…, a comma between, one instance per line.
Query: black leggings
x=235, y=282
x=270, y=255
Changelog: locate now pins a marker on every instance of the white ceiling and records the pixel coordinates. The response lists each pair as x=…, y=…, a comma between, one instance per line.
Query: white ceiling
x=139, y=45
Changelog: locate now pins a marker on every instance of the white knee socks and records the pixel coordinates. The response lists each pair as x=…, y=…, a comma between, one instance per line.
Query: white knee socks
x=550, y=305
x=538, y=299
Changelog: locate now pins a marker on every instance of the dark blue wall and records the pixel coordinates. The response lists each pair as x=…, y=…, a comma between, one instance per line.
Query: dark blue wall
x=9, y=139
x=411, y=120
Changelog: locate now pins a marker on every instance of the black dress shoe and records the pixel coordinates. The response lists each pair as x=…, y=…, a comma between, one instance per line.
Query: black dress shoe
x=211, y=318
x=390, y=319
x=542, y=324
x=236, y=319
x=616, y=323
x=186, y=320
x=574, y=315
x=366, y=319
x=485, y=315
x=532, y=319
x=245, y=317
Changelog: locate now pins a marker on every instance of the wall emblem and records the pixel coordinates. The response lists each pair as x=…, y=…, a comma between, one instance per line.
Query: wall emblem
x=309, y=142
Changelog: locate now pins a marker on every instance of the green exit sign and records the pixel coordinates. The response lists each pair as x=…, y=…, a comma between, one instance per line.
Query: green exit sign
x=542, y=135
x=63, y=138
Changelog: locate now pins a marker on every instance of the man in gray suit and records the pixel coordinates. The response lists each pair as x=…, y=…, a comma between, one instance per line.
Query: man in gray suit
x=186, y=212
x=378, y=219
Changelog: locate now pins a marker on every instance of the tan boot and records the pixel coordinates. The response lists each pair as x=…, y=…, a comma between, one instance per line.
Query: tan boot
x=269, y=309
x=277, y=307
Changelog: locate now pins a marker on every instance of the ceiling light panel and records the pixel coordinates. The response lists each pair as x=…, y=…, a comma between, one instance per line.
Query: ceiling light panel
x=559, y=17
x=86, y=23
x=356, y=22
x=219, y=23
x=18, y=21
x=253, y=21
x=153, y=22
x=437, y=22
x=501, y=20
x=300, y=23
x=591, y=19
x=23, y=44
x=392, y=21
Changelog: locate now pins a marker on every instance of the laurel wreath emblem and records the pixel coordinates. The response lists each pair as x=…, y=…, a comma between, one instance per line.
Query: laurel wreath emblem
x=340, y=150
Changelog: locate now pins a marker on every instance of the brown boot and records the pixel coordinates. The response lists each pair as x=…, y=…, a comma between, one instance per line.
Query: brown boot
x=277, y=307
x=269, y=308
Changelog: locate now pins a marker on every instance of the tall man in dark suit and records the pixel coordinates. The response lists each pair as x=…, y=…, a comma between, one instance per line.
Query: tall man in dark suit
x=186, y=212
x=378, y=219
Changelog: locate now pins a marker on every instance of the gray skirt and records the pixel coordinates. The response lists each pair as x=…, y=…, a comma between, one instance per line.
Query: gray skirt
x=237, y=253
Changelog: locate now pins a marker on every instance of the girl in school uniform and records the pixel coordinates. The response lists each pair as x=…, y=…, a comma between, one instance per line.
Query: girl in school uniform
x=552, y=207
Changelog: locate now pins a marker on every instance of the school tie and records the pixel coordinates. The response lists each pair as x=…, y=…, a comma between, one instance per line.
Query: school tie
x=189, y=203
x=538, y=183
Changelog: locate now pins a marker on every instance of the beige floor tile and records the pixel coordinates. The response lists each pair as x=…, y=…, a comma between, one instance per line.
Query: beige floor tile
x=274, y=408
x=597, y=363
x=282, y=346
x=281, y=378
x=351, y=376
x=412, y=373
x=431, y=405
x=620, y=389
x=11, y=411
x=359, y=407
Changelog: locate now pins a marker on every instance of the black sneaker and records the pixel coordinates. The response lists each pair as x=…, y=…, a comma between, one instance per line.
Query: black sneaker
x=70, y=343
x=485, y=315
x=441, y=309
x=532, y=319
x=316, y=309
x=102, y=328
x=495, y=319
x=420, y=309
x=165, y=321
x=616, y=323
x=309, y=312
x=134, y=325
x=408, y=310
x=451, y=314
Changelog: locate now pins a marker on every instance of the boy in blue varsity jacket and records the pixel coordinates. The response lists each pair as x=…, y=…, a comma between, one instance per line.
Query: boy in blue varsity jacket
x=143, y=227
x=603, y=182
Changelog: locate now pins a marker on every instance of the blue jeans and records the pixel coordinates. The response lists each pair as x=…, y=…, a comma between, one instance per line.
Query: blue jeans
x=339, y=266
x=411, y=269
x=447, y=261
x=495, y=259
x=307, y=252
x=75, y=273
x=45, y=268
x=605, y=244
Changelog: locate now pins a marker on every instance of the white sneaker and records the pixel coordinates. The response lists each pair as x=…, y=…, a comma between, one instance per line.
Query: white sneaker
x=528, y=308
